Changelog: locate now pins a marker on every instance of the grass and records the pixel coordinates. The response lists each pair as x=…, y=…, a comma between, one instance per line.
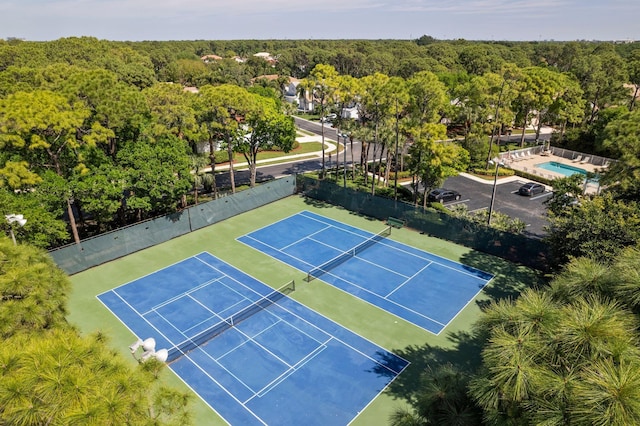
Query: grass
x=392, y=333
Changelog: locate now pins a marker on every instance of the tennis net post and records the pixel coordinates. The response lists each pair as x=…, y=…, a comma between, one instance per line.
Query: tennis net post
x=203, y=337
x=342, y=257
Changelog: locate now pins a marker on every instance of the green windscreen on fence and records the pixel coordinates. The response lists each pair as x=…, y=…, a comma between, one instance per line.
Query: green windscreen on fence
x=223, y=208
x=93, y=251
x=513, y=247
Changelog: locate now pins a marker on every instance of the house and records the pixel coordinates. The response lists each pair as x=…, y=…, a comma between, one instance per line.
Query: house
x=266, y=56
x=210, y=58
x=292, y=95
x=350, y=112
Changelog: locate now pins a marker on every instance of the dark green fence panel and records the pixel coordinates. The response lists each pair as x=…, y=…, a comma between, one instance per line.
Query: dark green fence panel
x=516, y=248
x=94, y=251
x=206, y=214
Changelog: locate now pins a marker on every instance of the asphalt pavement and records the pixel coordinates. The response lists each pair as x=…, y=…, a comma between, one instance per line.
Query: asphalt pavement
x=476, y=194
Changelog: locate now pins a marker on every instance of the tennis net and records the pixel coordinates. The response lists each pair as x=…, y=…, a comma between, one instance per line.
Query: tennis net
x=204, y=336
x=343, y=257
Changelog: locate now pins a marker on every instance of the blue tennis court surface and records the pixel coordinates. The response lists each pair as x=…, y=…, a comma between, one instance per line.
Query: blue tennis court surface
x=418, y=286
x=278, y=364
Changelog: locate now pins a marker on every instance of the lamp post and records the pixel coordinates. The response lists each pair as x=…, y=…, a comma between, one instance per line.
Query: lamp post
x=11, y=218
x=344, y=156
x=497, y=162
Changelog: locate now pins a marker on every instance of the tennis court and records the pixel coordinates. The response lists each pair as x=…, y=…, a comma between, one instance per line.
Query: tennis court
x=253, y=354
x=420, y=287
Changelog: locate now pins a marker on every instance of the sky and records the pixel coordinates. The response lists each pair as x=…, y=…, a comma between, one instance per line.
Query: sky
x=135, y=20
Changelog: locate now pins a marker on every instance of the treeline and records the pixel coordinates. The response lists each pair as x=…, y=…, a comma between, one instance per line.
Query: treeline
x=101, y=130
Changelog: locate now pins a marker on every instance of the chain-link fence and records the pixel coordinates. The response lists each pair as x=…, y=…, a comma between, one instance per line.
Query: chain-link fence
x=93, y=251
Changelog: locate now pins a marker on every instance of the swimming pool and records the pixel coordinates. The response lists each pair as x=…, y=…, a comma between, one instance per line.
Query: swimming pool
x=565, y=169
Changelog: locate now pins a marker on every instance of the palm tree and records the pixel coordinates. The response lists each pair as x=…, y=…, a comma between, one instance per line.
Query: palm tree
x=198, y=162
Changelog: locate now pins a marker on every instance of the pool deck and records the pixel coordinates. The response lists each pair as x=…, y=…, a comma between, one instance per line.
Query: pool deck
x=528, y=165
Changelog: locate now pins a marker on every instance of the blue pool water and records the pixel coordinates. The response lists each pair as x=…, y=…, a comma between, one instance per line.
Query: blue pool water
x=554, y=166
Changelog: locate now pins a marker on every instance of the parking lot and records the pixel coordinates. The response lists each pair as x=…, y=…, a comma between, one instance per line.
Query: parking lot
x=477, y=195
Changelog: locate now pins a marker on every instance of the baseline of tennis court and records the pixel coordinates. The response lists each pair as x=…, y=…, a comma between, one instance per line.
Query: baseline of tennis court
x=420, y=287
x=253, y=354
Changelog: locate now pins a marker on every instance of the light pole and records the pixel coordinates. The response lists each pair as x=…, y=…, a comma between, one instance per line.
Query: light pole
x=497, y=162
x=11, y=218
x=344, y=156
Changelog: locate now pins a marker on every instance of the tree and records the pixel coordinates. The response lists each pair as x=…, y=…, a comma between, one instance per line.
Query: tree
x=114, y=105
x=601, y=74
x=568, y=107
x=567, y=193
x=222, y=111
x=46, y=130
x=541, y=360
x=99, y=193
x=598, y=227
x=322, y=81
x=57, y=377
x=51, y=375
x=537, y=90
x=633, y=68
x=172, y=111
x=622, y=137
x=157, y=175
x=45, y=227
x=400, y=97
x=267, y=129
x=33, y=290
x=433, y=160
x=428, y=98
x=376, y=106
x=502, y=90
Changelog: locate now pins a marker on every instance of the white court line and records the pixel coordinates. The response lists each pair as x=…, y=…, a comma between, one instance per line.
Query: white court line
x=408, y=279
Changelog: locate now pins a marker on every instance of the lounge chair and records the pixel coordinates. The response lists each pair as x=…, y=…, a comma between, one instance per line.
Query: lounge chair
x=577, y=159
x=586, y=160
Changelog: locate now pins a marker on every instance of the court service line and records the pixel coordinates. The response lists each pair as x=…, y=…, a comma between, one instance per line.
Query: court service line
x=258, y=344
x=178, y=296
x=408, y=279
x=431, y=256
x=382, y=267
x=284, y=253
x=377, y=295
x=301, y=363
x=273, y=223
x=337, y=339
x=307, y=236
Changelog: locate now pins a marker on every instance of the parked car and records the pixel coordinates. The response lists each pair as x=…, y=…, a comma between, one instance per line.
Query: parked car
x=440, y=195
x=328, y=118
x=531, y=188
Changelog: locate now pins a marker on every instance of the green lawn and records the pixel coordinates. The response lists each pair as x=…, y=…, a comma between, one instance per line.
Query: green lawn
x=388, y=331
x=303, y=148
